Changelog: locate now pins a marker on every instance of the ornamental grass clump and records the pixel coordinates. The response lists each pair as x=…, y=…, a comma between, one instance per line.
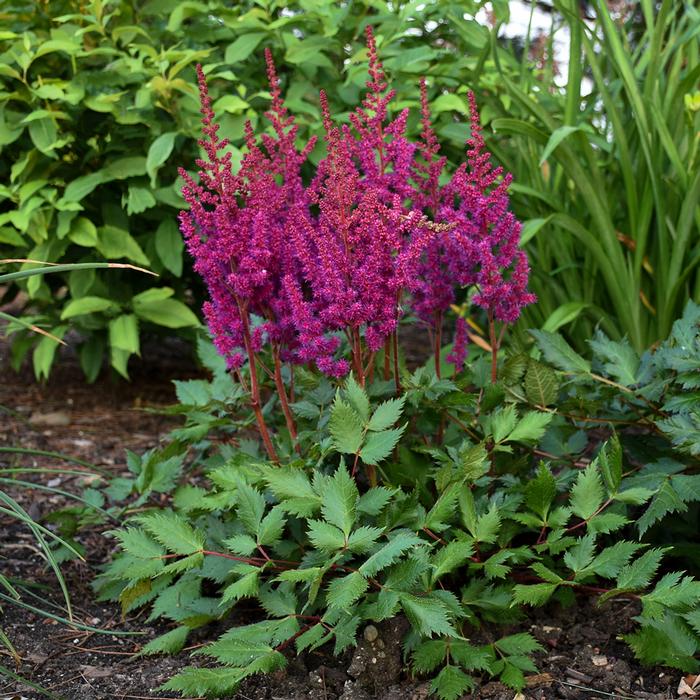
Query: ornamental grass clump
x=321, y=272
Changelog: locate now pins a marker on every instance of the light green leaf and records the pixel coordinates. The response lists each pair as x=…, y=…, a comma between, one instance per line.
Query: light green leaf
x=557, y=351
x=343, y=592
x=244, y=45
x=86, y=305
x=339, y=501
x=158, y=153
x=170, y=246
x=345, y=427
x=587, y=493
x=115, y=243
x=386, y=414
x=357, y=397
x=379, y=445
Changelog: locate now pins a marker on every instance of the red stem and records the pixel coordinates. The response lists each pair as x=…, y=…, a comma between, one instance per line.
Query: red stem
x=438, y=342
x=282, y=393
x=395, y=345
x=255, y=387
x=494, y=348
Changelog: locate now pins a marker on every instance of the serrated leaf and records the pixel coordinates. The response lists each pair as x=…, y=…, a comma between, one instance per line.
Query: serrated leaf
x=450, y=557
x=173, y=532
x=666, y=500
x=502, y=422
x=346, y=427
x=587, y=493
x=373, y=501
x=389, y=553
x=531, y=427
x=622, y=360
x=427, y=615
x=357, y=397
x=168, y=643
x=610, y=463
x=271, y=527
x=540, y=492
x=639, y=573
x=488, y=525
x=241, y=544
x=362, y=539
x=339, y=500
x=473, y=461
x=557, y=351
x=343, y=592
x=380, y=444
x=610, y=561
x=205, y=681
x=451, y=683
x=429, y=655
x=536, y=594
x=444, y=509
x=386, y=414
x=293, y=489
x=325, y=536
x=519, y=644
x=250, y=507
x=581, y=554
x=245, y=587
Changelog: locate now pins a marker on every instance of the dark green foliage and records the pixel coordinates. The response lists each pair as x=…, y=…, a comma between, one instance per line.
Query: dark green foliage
x=458, y=531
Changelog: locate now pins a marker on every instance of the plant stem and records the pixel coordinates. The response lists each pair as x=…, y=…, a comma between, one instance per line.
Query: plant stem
x=438, y=342
x=395, y=345
x=282, y=393
x=494, y=348
x=255, y=387
x=387, y=359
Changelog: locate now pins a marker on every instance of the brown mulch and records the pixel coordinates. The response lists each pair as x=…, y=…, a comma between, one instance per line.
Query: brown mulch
x=584, y=659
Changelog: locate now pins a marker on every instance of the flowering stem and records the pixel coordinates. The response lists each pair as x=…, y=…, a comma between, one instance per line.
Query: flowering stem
x=494, y=348
x=282, y=392
x=395, y=344
x=438, y=342
x=255, y=387
x=387, y=359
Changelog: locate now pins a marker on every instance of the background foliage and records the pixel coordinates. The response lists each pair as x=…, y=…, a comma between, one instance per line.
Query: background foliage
x=98, y=108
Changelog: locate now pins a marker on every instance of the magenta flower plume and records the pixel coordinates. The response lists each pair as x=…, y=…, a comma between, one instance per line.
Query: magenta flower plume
x=458, y=354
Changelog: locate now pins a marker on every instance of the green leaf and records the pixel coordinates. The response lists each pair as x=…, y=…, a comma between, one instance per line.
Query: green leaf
x=379, y=445
x=245, y=587
x=428, y=616
x=362, y=539
x=638, y=574
x=339, y=501
x=325, y=536
x=566, y=313
x=587, y=493
x=82, y=186
x=558, y=135
x=173, y=532
x=622, y=360
x=115, y=243
x=124, y=333
x=272, y=527
x=44, y=135
x=578, y=557
x=244, y=45
x=205, y=681
x=83, y=232
x=343, y=592
x=429, y=655
x=488, y=525
x=386, y=414
x=443, y=510
x=372, y=502
x=610, y=463
x=345, y=427
x=449, y=558
x=138, y=200
x=541, y=385
x=535, y=595
x=357, y=397
x=158, y=153
x=557, y=351
x=451, y=683
x=86, y=305
x=250, y=507
x=389, y=553
x=170, y=245
x=531, y=427
x=164, y=312
x=292, y=487
x=540, y=492
x=666, y=500
x=519, y=644
x=168, y=643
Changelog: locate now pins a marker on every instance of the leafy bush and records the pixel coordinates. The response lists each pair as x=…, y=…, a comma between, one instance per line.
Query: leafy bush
x=99, y=106
x=467, y=525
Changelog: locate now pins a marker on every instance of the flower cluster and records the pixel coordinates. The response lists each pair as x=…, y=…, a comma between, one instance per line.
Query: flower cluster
x=313, y=268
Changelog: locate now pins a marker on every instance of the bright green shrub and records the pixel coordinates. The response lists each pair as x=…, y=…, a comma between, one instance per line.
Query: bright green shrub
x=98, y=108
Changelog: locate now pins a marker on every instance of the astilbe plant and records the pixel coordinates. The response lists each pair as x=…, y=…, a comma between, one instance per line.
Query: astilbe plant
x=304, y=267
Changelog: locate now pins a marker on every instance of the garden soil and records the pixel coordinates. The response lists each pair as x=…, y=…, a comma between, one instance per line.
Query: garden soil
x=584, y=656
